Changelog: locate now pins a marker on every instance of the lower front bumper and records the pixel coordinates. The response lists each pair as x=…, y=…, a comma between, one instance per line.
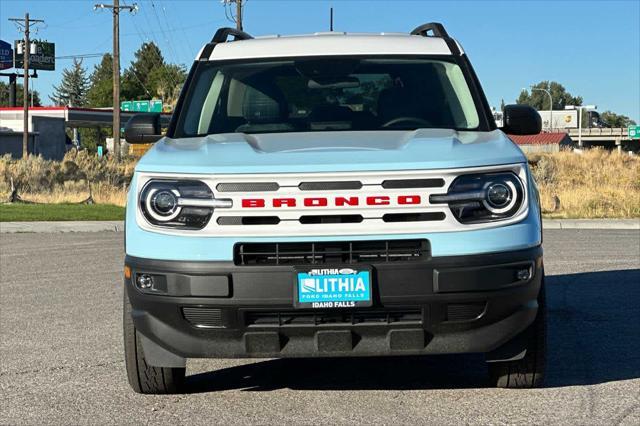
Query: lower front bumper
x=460, y=304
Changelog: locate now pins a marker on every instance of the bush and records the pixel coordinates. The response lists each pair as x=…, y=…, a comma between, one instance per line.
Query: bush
x=35, y=176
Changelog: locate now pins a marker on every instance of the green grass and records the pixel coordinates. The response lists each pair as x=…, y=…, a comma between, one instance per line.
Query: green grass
x=59, y=212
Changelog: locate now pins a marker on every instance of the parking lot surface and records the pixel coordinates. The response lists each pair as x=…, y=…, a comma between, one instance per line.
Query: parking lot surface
x=62, y=359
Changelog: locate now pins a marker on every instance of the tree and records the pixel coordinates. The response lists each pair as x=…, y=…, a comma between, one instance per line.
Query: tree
x=100, y=93
x=540, y=100
x=149, y=76
x=73, y=88
x=616, y=120
x=137, y=79
x=4, y=95
x=167, y=82
x=502, y=105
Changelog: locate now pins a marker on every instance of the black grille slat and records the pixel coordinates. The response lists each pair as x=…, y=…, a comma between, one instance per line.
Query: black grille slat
x=297, y=318
x=322, y=219
x=464, y=311
x=247, y=187
x=248, y=220
x=325, y=186
x=203, y=317
x=413, y=183
x=330, y=252
x=413, y=217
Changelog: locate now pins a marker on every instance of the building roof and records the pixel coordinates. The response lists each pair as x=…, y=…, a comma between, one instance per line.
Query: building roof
x=333, y=43
x=541, y=139
x=74, y=117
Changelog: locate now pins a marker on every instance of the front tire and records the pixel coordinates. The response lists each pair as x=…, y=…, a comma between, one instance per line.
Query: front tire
x=527, y=372
x=143, y=377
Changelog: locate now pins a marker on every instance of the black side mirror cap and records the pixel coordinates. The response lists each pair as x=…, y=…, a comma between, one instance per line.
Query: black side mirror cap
x=143, y=128
x=521, y=120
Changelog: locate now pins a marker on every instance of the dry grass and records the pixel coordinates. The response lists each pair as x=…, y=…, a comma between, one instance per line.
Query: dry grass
x=67, y=181
x=593, y=184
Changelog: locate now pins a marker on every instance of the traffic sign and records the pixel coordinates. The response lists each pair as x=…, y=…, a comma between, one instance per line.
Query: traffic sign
x=634, y=132
x=141, y=106
x=126, y=106
x=156, y=105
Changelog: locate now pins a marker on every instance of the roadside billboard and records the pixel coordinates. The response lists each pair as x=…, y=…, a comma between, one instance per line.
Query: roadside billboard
x=6, y=55
x=43, y=59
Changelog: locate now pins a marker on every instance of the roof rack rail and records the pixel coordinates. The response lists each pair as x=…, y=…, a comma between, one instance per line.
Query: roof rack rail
x=436, y=28
x=222, y=34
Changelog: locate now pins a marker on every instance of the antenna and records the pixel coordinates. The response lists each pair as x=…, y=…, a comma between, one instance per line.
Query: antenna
x=331, y=19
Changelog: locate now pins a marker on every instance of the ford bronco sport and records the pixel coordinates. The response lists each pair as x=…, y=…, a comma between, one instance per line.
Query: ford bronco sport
x=333, y=195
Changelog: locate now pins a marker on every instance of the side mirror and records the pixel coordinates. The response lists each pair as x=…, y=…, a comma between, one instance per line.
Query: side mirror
x=521, y=120
x=143, y=128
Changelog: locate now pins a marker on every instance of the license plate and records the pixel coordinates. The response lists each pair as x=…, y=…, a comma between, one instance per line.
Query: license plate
x=324, y=288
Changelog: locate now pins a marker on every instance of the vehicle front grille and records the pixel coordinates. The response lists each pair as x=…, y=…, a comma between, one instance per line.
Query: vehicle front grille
x=339, y=252
x=294, y=318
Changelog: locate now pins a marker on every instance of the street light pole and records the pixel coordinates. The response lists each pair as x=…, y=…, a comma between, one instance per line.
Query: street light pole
x=550, y=104
x=116, y=8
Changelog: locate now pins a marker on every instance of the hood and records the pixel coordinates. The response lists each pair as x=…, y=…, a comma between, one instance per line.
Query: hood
x=331, y=152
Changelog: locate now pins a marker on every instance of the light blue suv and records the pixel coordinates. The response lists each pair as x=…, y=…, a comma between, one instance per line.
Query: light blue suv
x=333, y=195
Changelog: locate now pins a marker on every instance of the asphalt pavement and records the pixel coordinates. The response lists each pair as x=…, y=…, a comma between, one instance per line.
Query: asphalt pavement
x=61, y=358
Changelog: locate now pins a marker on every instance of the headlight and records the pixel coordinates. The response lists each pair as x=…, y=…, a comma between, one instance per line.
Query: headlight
x=186, y=204
x=481, y=198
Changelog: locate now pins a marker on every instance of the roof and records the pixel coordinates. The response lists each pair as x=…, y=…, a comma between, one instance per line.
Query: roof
x=80, y=117
x=541, y=139
x=334, y=43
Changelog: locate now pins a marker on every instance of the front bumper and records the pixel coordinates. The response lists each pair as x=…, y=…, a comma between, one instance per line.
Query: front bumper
x=460, y=304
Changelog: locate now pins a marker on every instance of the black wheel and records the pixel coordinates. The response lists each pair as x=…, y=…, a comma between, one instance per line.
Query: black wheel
x=527, y=372
x=143, y=377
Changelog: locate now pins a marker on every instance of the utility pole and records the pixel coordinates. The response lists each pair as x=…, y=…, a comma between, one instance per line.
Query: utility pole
x=331, y=20
x=239, y=15
x=229, y=12
x=26, y=24
x=116, y=8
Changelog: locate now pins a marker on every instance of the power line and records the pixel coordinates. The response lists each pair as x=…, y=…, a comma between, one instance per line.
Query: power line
x=170, y=29
x=158, y=58
x=166, y=39
x=81, y=56
x=238, y=13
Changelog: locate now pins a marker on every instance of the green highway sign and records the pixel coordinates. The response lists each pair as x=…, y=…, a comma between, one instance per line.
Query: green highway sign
x=634, y=132
x=141, y=106
x=154, y=105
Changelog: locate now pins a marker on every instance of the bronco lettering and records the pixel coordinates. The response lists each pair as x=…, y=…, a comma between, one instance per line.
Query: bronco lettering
x=374, y=200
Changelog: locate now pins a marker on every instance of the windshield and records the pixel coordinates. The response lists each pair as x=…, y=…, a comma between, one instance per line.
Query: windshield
x=327, y=94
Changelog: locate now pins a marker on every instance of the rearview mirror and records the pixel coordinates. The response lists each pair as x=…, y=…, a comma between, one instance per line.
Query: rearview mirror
x=521, y=120
x=143, y=128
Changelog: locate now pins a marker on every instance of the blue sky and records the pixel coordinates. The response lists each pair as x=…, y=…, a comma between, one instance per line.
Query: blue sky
x=592, y=47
